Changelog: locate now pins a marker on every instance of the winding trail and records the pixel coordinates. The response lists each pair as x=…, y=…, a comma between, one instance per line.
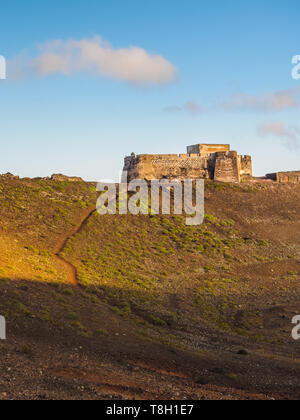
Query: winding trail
x=71, y=270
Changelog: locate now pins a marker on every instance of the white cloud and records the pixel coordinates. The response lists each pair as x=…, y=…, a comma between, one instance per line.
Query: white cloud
x=133, y=64
x=290, y=134
x=191, y=107
x=269, y=101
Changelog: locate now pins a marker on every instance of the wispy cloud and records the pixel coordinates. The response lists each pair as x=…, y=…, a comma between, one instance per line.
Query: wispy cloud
x=133, y=64
x=289, y=134
x=267, y=102
x=191, y=107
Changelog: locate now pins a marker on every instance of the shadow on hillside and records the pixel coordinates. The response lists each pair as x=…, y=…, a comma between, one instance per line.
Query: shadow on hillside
x=55, y=318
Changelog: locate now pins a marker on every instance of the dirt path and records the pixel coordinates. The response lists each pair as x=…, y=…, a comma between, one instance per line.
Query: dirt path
x=70, y=268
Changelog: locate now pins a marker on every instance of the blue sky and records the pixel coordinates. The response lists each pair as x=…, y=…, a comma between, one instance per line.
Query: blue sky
x=223, y=76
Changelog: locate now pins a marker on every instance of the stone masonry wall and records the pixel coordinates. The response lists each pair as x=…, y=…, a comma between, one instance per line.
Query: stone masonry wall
x=227, y=167
x=208, y=149
x=285, y=177
x=166, y=166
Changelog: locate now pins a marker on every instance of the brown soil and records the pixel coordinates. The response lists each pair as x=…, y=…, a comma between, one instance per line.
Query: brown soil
x=70, y=268
x=157, y=315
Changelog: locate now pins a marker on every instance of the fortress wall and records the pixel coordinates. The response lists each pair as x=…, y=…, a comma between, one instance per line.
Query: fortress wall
x=285, y=177
x=227, y=167
x=202, y=161
x=207, y=149
x=245, y=163
x=288, y=177
x=272, y=176
x=193, y=149
x=166, y=166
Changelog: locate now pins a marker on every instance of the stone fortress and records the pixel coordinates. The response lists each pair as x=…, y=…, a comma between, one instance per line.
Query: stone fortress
x=207, y=161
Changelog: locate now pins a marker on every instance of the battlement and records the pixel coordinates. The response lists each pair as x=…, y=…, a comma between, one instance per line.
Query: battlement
x=208, y=161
